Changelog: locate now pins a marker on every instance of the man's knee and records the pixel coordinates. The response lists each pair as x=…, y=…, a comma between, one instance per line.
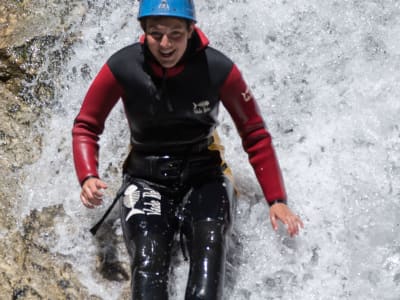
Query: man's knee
x=207, y=260
x=151, y=253
x=210, y=233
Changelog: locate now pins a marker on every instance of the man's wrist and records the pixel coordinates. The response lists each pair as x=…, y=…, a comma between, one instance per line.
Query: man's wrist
x=88, y=177
x=283, y=201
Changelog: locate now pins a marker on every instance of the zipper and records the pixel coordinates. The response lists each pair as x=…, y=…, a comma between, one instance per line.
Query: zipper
x=164, y=94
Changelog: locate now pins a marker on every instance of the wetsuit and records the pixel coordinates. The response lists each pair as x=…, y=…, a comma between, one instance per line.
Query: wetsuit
x=175, y=173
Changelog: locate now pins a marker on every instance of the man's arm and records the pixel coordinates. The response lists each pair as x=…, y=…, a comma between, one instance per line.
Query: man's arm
x=101, y=97
x=257, y=142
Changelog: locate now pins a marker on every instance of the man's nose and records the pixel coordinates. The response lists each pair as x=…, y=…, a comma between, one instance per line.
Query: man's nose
x=165, y=42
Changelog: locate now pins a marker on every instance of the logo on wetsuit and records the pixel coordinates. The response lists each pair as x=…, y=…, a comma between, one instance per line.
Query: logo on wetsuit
x=142, y=201
x=201, y=107
x=247, y=95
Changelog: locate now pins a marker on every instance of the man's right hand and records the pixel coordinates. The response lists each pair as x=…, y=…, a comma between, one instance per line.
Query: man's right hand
x=91, y=193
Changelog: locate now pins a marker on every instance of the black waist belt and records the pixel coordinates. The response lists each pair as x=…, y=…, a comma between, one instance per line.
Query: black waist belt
x=164, y=163
x=174, y=149
x=155, y=167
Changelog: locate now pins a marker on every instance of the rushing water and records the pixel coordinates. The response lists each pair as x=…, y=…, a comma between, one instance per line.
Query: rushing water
x=326, y=75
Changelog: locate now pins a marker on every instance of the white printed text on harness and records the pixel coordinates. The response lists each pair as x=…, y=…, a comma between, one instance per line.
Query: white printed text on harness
x=142, y=201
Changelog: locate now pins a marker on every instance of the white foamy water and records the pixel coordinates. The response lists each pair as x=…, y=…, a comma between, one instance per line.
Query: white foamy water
x=326, y=75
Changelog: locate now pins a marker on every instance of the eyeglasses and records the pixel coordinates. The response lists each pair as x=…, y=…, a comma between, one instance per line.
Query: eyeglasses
x=174, y=35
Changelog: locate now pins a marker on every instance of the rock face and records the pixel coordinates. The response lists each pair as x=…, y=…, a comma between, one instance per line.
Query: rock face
x=28, y=270
x=35, y=36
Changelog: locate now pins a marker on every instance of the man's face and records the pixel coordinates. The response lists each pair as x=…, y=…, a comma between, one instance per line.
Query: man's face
x=167, y=39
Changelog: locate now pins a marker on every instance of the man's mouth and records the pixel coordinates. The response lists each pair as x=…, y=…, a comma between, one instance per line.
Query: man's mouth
x=167, y=54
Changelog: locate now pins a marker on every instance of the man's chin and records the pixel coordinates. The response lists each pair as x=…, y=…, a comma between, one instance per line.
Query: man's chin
x=167, y=64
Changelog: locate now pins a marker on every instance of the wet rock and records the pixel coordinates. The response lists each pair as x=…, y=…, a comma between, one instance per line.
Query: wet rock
x=35, y=39
x=28, y=270
x=108, y=260
x=31, y=55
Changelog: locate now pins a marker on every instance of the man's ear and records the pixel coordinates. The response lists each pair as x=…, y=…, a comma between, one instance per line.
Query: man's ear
x=191, y=29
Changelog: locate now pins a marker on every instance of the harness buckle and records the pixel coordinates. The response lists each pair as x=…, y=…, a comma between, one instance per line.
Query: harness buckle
x=169, y=167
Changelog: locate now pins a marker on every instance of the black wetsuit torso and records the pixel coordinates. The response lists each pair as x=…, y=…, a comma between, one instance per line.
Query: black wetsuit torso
x=168, y=112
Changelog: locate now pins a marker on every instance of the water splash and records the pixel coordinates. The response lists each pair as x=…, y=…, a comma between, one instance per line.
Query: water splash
x=326, y=77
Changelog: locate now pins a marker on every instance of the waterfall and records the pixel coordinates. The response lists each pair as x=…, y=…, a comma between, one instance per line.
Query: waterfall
x=326, y=76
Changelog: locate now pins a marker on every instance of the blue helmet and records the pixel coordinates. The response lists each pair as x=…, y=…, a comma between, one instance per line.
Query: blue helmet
x=169, y=8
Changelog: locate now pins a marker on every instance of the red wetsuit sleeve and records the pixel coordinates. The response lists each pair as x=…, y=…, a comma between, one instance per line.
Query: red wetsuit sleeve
x=256, y=139
x=101, y=97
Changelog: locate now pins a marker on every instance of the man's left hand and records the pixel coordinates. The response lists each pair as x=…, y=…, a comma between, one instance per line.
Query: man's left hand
x=280, y=211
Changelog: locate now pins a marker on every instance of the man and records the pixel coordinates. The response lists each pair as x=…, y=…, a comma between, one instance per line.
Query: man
x=171, y=84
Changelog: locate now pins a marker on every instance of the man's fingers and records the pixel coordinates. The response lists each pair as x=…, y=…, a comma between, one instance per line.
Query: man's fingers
x=87, y=192
x=86, y=202
x=274, y=222
x=294, y=225
x=99, y=184
x=98, y=195
x=96, y=200
x=91, y=196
